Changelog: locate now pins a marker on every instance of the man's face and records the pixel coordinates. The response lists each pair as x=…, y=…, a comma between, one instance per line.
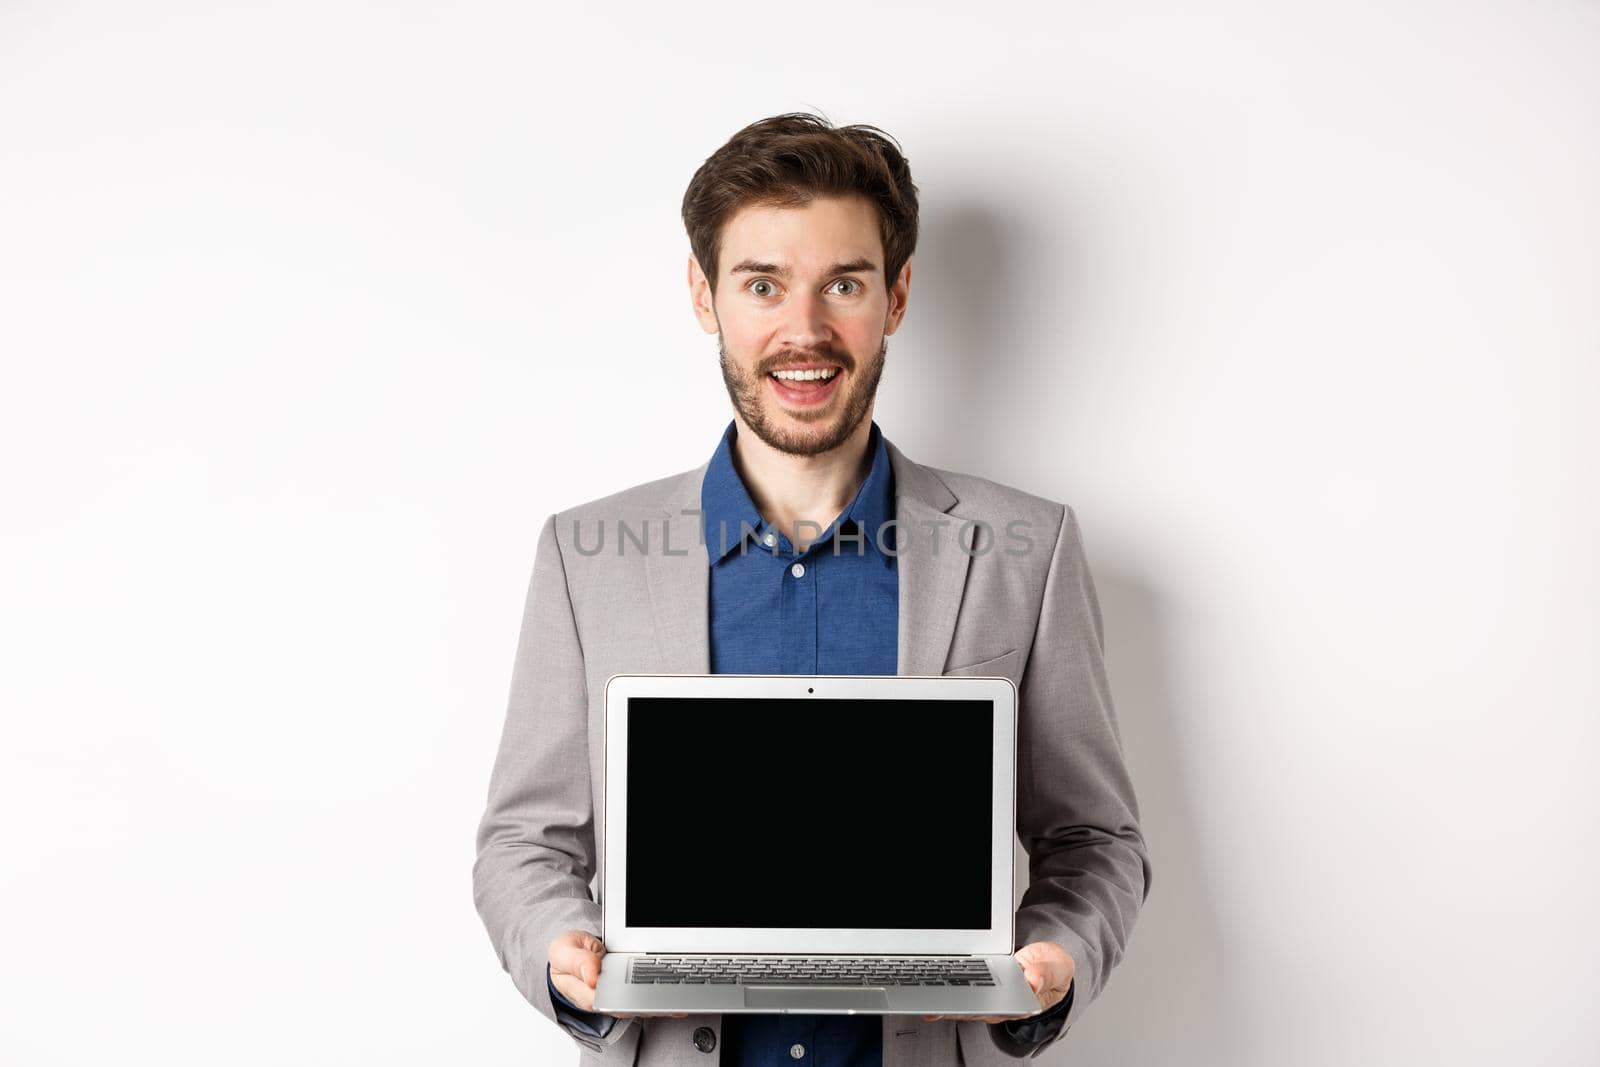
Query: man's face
x=801, y=287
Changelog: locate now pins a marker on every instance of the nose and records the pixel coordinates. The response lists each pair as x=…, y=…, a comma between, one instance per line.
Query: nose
x=806, y=324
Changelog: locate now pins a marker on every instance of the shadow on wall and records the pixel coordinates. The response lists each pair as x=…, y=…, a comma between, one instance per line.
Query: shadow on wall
x=972, y=313
x=1173, y=992
x=962, y=304
x=983, y=359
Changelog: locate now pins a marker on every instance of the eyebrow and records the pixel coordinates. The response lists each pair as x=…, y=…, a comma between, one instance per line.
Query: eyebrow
x=750, y=266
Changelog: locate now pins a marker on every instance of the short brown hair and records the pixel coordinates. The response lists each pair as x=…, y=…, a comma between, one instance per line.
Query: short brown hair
x=789, y=160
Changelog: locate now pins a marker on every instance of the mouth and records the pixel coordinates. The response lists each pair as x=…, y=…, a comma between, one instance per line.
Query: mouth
x=806, y=386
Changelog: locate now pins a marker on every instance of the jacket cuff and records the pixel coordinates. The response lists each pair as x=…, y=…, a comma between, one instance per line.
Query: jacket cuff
x=1022, y=1037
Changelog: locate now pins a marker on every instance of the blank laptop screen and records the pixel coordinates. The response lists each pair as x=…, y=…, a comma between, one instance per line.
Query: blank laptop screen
x=826, y=813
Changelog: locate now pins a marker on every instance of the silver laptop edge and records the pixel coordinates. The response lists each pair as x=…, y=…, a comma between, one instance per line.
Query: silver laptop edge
x=1010, y=994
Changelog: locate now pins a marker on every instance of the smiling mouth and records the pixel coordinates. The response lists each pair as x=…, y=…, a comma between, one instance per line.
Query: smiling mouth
x=803, y=374
x=807, y=386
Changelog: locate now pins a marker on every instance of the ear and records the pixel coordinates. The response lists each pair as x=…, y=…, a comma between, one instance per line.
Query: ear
x=701, y=297
x=899, y=292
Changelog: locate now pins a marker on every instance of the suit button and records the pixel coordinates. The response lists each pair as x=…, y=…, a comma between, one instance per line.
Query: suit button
x=705, y=1038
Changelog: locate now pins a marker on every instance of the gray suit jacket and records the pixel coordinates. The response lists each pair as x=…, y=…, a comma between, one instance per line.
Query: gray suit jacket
x=1029, y=615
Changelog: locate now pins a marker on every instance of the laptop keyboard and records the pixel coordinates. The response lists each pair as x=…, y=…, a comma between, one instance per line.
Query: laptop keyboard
x=810, y=970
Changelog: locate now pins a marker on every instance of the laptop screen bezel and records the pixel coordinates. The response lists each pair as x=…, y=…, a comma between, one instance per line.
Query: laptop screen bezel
x=611, y=832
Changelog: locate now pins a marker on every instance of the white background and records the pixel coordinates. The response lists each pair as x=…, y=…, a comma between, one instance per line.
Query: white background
x=311, y=313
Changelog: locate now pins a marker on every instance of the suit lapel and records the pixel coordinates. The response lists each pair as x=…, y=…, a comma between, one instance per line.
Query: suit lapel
x=932, y=570
x=680, y=584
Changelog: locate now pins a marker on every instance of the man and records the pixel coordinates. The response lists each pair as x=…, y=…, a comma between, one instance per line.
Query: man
x=809, y=544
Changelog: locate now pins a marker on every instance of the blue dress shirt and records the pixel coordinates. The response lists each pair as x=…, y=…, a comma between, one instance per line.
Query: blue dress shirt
x=832, y=609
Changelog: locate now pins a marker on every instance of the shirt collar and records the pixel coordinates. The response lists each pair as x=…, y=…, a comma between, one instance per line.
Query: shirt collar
x=727, y=508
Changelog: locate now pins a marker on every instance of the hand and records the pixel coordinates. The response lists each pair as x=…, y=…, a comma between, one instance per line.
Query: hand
x=1049, y=971
x=575, y=959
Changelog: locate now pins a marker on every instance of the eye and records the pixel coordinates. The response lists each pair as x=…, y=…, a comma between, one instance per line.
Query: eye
x=855, y=286
x=761, y=287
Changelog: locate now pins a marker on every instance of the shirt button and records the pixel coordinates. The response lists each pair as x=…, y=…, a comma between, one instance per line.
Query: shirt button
x=770, y=539
x=799, y=571
x=797, y=1052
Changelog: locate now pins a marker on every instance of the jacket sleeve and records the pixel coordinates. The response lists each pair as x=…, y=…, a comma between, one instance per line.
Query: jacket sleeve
x=536, y=840
x=1077, y=815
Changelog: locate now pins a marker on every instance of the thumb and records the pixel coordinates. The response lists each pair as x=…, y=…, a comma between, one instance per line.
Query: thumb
x=589, y=970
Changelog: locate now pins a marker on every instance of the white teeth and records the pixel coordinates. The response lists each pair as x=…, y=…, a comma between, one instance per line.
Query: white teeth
x=806, y=375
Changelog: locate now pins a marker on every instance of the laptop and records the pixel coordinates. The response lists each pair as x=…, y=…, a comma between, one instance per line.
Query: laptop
x=820, y=844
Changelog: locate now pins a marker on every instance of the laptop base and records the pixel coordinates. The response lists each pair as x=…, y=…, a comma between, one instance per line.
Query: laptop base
x=1010, y=995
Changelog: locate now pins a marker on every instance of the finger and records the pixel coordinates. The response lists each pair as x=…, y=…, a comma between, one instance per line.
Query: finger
x=579, y=957
x=1039, y=981
x=574, y=990
x=1041, y=987
x=581, y=966
x=1053, y=969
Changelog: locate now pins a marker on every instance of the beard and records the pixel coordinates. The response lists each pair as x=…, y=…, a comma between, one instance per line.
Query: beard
x=749, y=393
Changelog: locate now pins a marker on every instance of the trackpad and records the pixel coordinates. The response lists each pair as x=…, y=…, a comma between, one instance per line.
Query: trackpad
x=811, y=998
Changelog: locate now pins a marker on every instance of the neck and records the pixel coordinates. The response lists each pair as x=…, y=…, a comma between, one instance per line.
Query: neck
x=789, y=489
